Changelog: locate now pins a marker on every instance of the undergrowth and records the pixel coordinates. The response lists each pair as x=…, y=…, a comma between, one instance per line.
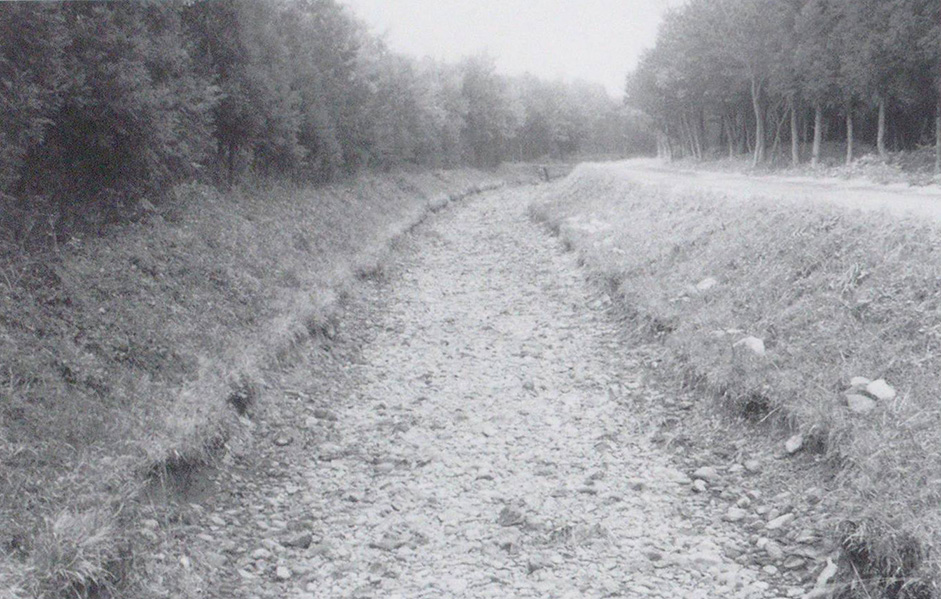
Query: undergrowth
x=834, y=294
x=911, y=167
x=133, y=356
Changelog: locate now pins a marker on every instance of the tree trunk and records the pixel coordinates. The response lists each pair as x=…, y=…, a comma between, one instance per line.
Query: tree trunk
x=746, y=133
x=849, y=133
x=818, y=134
x=684, y=133
x=777, y=132
x=937, y=138
x=722, y=141
x=730, y=133
x=702, y=134
x=805, y=129
x=759, y=155
x=667, y=144
x=795, y=142
x=880, y=136
x=691, y=140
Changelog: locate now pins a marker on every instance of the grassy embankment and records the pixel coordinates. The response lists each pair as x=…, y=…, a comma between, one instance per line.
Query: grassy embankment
x=833, y=293
x=128, y=358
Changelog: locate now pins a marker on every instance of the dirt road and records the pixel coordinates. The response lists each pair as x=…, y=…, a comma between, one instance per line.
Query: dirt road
x=899, y=199
x=486, y=438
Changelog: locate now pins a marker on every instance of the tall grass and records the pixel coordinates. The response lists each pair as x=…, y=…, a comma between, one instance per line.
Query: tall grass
x=833, y=293
x=131, y=355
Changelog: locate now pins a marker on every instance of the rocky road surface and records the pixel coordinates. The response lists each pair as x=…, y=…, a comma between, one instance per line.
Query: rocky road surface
x=485, y=437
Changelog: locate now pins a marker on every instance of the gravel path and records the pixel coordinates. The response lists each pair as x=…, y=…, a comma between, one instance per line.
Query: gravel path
x=482, y=443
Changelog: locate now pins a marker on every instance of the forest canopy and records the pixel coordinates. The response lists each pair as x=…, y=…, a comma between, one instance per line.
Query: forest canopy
x=770, y=76
x=106, y=103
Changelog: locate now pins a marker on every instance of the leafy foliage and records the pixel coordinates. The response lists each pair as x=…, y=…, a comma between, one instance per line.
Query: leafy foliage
x=108, y=103
x=732, y=72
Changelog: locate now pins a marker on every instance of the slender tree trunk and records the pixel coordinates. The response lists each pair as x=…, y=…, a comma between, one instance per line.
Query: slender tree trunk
x=684, y=134
x=730, y=133
x=702, y=133
x=749, y=140
x=849, y=132
x=759, y=155
x=818, y=134
x=722, y=141
x=691, y=137
x=777, y=133
x=880, y=136
x=937, y=138
x=690, y=146
x=805, y=129
x=795, y=142
x=668, y=145
x=663, y=145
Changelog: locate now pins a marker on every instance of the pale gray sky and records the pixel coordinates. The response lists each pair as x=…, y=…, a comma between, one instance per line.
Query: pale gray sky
x=595, y=40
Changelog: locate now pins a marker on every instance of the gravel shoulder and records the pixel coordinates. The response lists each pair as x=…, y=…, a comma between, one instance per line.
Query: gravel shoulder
x=478, y=429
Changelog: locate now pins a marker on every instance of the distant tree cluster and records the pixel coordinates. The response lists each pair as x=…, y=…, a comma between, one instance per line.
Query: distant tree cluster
x=107, y=102
x=761, y=75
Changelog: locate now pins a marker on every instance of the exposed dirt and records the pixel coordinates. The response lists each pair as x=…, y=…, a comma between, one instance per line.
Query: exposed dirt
x=897, y=198
x=480, y=429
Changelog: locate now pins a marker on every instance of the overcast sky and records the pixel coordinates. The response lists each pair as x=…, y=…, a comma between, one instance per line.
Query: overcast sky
x=595, y=40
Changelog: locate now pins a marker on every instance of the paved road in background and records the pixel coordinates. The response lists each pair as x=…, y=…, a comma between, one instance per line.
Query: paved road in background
x=899, y=199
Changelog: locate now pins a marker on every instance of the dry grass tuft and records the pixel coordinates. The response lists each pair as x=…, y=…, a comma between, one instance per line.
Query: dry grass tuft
x=74, y=554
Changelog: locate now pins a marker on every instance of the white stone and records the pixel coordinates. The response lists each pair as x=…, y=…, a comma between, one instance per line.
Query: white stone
x=672, y=475
x=828, y=572
x=794, y=444
x=859, y=382
x=261, y=553
x=754, y=344
x=779, y=522
x=735, y=514
x=707, y=473
x=706, y=284
x=860, y=404
x=880, y=390
x=774, y=551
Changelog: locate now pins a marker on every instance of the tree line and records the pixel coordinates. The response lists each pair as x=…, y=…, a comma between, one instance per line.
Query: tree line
x=104, y=103
x=772, y=77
